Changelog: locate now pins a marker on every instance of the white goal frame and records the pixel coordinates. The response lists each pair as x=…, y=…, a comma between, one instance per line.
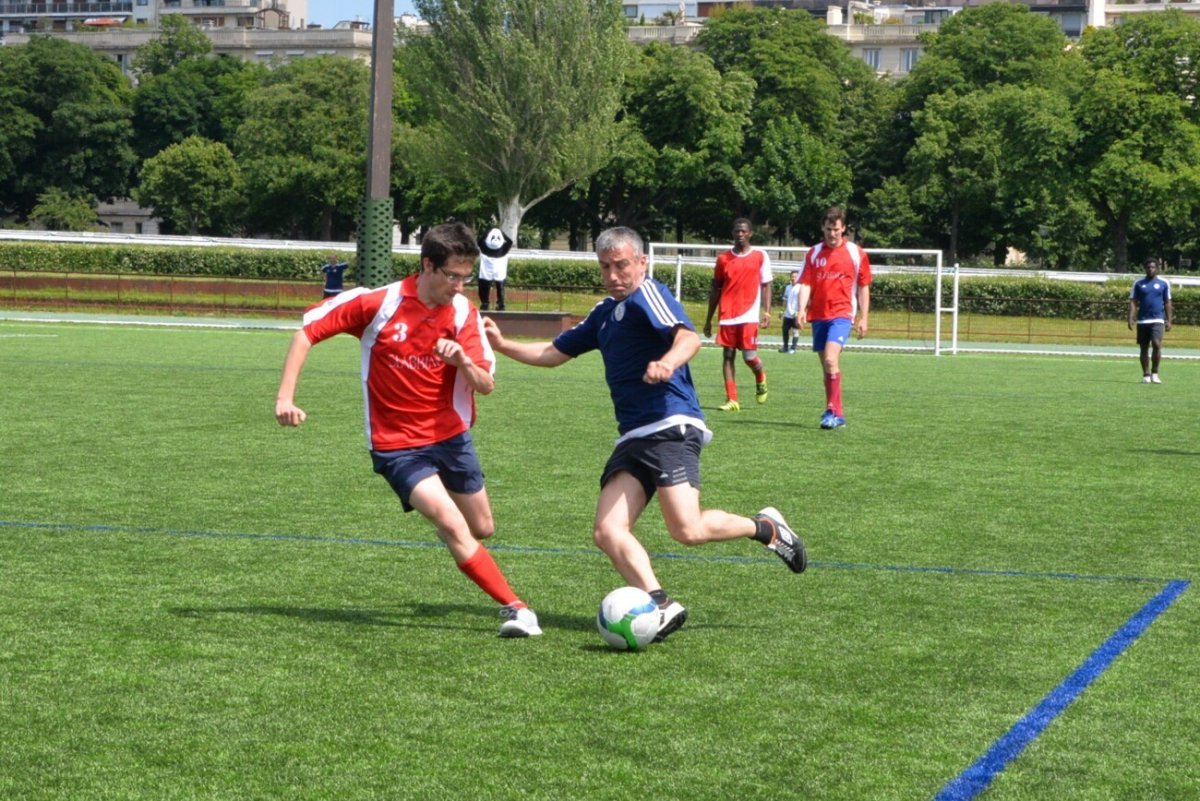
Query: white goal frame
x=672, y=256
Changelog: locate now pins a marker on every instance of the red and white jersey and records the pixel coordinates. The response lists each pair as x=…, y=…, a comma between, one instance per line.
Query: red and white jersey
x=741, y=276
x=411, y=397
x=835, y=276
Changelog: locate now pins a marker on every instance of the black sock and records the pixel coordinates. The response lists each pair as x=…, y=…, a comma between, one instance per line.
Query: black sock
x=764, y=530
x=660, y=597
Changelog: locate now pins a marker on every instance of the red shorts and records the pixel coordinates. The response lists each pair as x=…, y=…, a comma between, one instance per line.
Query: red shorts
x=743, y=336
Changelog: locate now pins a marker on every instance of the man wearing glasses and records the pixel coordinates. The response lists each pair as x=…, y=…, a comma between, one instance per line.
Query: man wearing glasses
x=424, y=356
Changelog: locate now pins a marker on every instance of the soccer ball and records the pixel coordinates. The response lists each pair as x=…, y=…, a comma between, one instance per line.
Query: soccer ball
x=628, y=619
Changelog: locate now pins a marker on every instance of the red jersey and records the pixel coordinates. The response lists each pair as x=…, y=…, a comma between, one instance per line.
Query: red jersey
x=411, y=397
x=835, y=276
x=741, y=276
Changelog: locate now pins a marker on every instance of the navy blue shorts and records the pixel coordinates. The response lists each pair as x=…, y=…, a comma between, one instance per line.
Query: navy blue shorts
x=663, y=459
x=1150, y=333
x=454, y=460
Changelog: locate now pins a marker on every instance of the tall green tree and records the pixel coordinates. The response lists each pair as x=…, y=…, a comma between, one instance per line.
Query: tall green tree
x=198, y=97
x=302, y=148
x=681, y=134
x=178, y=40
x=195, y=186
x=70, y=124
x=815, y=109
x=1140, y=121
x=519, y=96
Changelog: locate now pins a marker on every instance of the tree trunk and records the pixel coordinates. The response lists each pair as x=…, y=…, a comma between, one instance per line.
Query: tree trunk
x=1120, y=229
x=510, y=213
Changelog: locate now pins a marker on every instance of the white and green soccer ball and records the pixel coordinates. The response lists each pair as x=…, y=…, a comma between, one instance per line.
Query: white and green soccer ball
x=628, y=619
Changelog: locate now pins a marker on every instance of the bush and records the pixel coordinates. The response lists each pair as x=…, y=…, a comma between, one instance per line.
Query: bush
x=1005, y=296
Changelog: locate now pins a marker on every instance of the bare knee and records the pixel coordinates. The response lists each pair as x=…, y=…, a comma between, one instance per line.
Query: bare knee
x=690, y=533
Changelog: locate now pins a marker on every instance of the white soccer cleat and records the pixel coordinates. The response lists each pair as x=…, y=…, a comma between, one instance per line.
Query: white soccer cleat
x=1154, y=379
x=1146, y=379
x=519, y=621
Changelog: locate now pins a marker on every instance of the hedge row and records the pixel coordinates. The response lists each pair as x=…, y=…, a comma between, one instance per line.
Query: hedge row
x=978, y=295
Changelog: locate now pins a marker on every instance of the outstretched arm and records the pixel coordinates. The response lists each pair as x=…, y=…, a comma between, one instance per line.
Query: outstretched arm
x=287, y=413
x=538, y=354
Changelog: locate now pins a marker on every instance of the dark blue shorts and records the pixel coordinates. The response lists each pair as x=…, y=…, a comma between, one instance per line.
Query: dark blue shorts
x=826, y=331
x=663, y=459
x=1150, y=333
x=454, y=460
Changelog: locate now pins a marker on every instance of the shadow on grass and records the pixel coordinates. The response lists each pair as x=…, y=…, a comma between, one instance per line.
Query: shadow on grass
x=416, y=615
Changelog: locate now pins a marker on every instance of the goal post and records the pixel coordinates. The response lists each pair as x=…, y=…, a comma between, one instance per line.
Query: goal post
x=667, y=261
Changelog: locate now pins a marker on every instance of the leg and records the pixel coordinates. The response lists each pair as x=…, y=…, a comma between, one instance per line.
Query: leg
x=691, y=526
x=485, y=293
x=431, y=498
x=750, y=357
x=622, y=500
x=731, y=393
x=499, y=296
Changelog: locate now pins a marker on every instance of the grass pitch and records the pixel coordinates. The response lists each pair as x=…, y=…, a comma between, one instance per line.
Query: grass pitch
x=198, y=604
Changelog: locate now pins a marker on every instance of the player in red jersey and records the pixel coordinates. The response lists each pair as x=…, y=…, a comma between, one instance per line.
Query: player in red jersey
x=834, y=285
x=424, y=356
x=741, y=285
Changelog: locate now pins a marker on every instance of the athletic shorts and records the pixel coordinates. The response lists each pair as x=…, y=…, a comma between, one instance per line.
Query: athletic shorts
x=1148, y=333
x=454, y=460
x=742, y=336
x=826, y=331
x=662, y=459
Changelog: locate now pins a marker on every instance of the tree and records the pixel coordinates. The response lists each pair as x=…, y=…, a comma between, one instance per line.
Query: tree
x=194, y=185
x=519, y=96
x=70, y=126
x=58, y=211
x=177, y=41
x=1139, y=156
x=199, y=97
x=302, y=148
x=795, y=176
x=680, y=135
x=815, y=111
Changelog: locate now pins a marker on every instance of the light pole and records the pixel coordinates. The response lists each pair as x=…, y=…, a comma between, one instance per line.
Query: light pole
x=375, y=223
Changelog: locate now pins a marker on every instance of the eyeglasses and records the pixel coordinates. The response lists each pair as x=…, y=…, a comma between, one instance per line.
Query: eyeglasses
x=456, y=278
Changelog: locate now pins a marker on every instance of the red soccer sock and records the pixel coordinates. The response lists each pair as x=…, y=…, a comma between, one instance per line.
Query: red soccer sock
x=833, y=392
x=756, y=365
x=482, y=569
x=731, y=390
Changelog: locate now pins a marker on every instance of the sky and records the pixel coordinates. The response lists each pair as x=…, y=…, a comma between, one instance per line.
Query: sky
x=328, y=13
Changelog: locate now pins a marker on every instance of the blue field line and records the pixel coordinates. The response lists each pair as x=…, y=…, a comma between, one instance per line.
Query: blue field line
x=975, y=779
x=434, y=543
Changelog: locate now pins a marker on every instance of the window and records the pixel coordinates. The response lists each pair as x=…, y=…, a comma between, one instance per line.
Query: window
x=909, y=57
x=871, y=56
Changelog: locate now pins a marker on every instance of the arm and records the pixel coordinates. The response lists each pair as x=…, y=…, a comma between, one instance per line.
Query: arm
x=287, y=413
x=537, y=354
x=1170, y=315
x=685, y=345
x=1132, y=312
x=452, y=353
x=714, y=297
x=864, y=309
x=802, y=305
x=767, y=297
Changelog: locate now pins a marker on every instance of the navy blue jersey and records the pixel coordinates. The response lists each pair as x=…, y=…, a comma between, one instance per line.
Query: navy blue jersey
x=1151, y=295
x=629, y=335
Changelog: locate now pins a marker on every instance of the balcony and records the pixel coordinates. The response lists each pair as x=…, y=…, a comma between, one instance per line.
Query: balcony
x=93, y=9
